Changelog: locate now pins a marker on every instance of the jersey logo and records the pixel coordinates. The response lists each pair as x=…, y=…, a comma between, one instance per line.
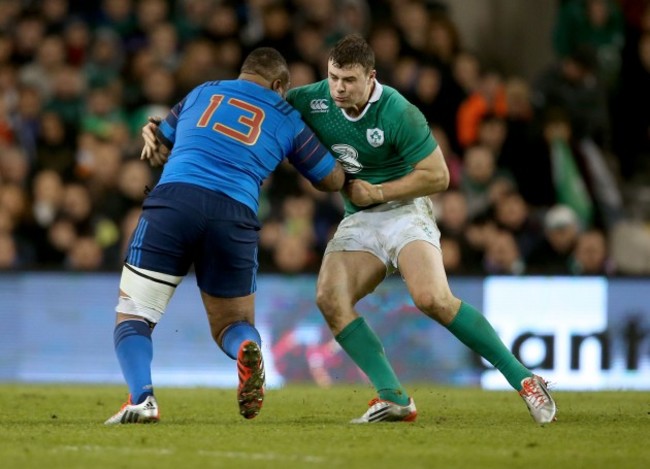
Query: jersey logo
x=318, y=105
x=347, y=156
x=375, y=137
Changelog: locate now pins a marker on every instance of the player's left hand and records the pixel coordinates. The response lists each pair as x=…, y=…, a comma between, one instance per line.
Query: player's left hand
x=362, y=193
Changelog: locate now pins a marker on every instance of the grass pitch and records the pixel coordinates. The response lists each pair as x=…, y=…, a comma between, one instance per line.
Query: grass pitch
x=305, y=427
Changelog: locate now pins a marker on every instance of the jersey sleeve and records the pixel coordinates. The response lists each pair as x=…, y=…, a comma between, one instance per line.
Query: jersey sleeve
x=166, y=132
x=413, y=137
x=309, y=155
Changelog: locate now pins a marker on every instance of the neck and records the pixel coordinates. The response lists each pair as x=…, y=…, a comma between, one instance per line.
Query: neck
x=255, y=78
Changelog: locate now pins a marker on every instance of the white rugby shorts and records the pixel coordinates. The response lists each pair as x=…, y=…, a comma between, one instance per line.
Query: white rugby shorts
x=385, y=229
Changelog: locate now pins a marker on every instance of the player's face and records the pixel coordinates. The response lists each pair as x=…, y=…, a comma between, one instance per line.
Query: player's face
x=349, y=86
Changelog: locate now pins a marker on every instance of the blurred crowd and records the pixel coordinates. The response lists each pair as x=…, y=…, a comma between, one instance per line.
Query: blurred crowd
x=538, y=167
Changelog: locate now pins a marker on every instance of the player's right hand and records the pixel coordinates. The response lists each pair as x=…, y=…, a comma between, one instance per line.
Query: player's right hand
x=152, y=150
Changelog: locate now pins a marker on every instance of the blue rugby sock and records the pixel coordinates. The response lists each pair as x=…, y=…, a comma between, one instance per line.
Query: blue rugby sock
x=134, y=351
x=235, y=334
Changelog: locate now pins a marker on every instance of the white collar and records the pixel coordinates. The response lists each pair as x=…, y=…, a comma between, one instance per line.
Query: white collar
x=374, y=97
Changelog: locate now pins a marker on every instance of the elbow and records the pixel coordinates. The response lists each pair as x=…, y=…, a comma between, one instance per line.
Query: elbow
x=333, y=182
x=440, y=180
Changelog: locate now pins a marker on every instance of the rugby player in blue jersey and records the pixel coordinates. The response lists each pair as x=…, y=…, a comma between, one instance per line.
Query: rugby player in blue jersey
x=225, y=138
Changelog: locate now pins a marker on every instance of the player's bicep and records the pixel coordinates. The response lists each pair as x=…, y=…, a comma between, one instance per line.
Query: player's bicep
x=433, y=170
x=433, y=162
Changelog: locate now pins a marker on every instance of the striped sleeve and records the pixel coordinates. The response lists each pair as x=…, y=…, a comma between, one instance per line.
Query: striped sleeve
x=166, y=132
x=310, y=157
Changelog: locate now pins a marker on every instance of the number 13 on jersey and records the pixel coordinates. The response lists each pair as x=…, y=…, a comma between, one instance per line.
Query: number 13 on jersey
x=250, y=116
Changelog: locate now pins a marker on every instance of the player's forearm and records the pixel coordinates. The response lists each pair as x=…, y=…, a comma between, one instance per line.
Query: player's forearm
x=429, y=176
x=333, y=182
x=415, y=184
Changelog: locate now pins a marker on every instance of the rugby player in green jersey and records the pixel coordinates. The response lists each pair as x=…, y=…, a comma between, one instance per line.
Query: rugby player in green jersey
x=392, y=163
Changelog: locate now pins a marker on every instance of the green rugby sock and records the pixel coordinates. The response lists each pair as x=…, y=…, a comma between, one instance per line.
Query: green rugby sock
x=365, y=349
x=472, y=329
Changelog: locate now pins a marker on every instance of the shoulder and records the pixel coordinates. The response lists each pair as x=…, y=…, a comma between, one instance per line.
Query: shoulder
x=396, y=107
x=307, y=92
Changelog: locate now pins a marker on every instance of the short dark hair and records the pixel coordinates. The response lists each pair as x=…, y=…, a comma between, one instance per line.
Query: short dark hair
x=268, y=63
x=353, y=50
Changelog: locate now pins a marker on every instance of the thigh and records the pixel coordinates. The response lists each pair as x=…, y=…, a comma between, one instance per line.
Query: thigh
x=420, y=264
x=345, y=277
x=164, y=238
x=226, y=259
x=350, y=276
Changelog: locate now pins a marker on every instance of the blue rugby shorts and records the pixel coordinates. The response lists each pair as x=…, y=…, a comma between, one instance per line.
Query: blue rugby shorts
x=183, y=224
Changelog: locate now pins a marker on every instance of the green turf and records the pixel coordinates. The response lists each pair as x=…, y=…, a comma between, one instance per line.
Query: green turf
x=303, y=427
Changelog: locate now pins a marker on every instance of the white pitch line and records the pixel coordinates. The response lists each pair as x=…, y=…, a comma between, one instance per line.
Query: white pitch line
x=266, y=456
x=119, y=449
x=212, y=453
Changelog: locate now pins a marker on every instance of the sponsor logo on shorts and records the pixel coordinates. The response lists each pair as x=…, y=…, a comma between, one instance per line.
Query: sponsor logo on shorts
x=319, y=105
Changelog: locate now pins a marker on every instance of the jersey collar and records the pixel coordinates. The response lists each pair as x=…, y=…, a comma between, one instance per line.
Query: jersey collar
x=374, y=97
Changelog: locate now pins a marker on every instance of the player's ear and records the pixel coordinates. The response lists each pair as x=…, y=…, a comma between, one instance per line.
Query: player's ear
x=279, y=86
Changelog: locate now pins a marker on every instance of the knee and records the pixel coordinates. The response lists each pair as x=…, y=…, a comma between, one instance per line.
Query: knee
x=326, y=300
x=441, y=306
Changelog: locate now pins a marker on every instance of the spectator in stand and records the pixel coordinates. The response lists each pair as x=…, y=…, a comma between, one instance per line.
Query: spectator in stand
x=28, y=32
x=492, y=132
x=481, y=178
x=164, y=45
x=85, y=255
x=572, y=84
x=413, y=19
x=302, y=74
x=14, y=166
x=385, y=41
x=433, y=94
x=77, y=37
x=466, y=71
x=553, y=255
x=502, y=255
x=40, y=72
x=310, y=46
x=479, y=232
x=453, y=217
x=276, y=24
x=105, y=60
x=444, y=40
x=590, y=256
x=488, y=98
x=68, y=95
x=47, y=198
x=222, y=22
x=55, y=147
x=25, y=119
x=452, y=255
x=597, y=24
x=512, y=213
x=159, y=94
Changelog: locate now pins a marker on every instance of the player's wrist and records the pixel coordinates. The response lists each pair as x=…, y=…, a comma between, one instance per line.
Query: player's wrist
x=379, y=189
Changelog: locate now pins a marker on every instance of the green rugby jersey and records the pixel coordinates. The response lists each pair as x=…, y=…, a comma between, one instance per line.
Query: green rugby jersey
x=384, y=143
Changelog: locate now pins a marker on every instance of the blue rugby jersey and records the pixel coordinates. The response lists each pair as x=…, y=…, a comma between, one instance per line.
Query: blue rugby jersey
x=229, y=135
